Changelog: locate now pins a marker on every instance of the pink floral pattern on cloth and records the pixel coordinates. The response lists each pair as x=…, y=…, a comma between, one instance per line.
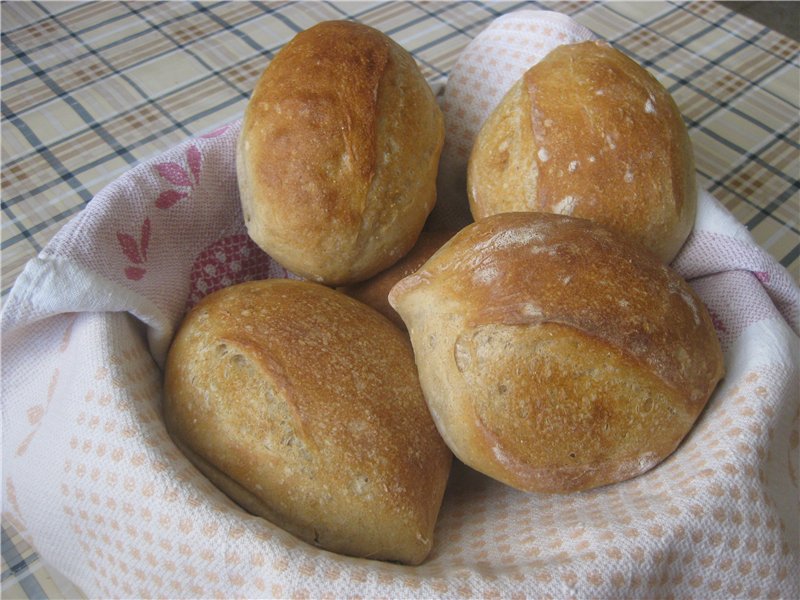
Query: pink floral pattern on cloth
x=230, y=260
x=93, y=481
x=135, y=250
x=178, y=176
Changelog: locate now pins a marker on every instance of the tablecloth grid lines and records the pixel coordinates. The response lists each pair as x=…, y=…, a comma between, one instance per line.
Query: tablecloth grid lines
x=20, y=563
x=86, y=95
x=737, y=182
x=114, y=120
x=252, y=67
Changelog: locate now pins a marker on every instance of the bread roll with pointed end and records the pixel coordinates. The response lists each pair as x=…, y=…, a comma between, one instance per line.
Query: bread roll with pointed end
x=554, y=355
x=374, y=291
x=304, y=406
x=338, y=154
x=588, y=132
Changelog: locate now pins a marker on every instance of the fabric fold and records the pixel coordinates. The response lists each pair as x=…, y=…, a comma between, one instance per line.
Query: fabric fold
x=99, y=488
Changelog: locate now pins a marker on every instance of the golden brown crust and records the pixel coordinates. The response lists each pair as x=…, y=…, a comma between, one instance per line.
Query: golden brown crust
x=555, y=356
x=588, y=132
x=304, y=406
x=374, y=291
x=338, y=153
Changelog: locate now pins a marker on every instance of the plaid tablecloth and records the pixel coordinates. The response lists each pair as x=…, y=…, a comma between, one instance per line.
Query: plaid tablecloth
x=91, y=89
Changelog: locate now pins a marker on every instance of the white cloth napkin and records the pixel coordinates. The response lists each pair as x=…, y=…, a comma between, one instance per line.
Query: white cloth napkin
x=93, y=481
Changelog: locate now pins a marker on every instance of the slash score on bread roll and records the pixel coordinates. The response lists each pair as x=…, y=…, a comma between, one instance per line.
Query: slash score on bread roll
x=338, y=154
x=590, y=133
x=554, y=355
x=304, y=406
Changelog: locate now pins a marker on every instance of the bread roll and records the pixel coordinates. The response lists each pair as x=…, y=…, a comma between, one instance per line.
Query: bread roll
x=304, y=406
x=555, y=356
x=588, y=132
x=374, y=291
x=338, y=154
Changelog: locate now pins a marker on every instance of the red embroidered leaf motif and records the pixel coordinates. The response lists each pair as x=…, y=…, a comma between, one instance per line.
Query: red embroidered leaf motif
x=134, y=273
x=144, y=238
x=129, y=247
x=194, y=159
x=168, y=198
x=718, y=324
x=174, y=173
x=216, y=133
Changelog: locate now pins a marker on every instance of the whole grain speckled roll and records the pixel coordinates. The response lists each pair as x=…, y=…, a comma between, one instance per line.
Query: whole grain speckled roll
x=338, y=154
x=554, y=355
x=304, y=406
x=590, y=133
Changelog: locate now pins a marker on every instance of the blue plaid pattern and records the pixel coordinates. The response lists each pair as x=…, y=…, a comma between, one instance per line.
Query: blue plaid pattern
x=92, y=88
